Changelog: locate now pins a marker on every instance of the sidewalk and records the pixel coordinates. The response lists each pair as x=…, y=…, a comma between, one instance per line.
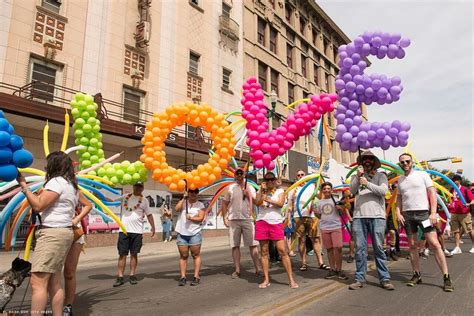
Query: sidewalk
x=101, y=256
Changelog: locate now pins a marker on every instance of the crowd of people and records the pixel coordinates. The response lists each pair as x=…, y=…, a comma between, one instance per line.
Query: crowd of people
x=315, y=222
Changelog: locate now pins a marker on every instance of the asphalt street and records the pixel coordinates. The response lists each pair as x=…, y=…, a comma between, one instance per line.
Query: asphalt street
x=158, y=293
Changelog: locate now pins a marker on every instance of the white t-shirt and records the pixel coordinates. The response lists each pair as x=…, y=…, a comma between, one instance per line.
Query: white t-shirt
x=412, y=189
x=238, y=206
x=186, y=227
x=135, y=214
x=305, y=196
x=61, y=212
x=330, y=218
x=269, y=212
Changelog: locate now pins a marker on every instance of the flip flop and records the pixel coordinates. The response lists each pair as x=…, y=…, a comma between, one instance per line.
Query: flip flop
x=304, y=267
x=263, y=285
x=324, y=267
x=235, y=275
x=293, y=286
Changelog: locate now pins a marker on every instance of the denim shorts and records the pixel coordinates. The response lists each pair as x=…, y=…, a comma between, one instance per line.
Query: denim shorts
x=189, y=240
x=413, y=221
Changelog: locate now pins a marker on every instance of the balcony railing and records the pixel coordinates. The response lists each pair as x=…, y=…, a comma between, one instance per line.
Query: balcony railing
x=229, y=27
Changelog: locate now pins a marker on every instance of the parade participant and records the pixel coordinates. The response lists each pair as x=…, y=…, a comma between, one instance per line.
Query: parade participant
x=348, y=203
x=189, y=237
x=417, y=203
x=269, y=226
x=72, y=258
x=391, y=230
x=54, y=236
x=369, y=186
x=305, y=224
x=237, y=216
x=460, y=215
x=331, y=232
x=135, y=209
x=166, y=223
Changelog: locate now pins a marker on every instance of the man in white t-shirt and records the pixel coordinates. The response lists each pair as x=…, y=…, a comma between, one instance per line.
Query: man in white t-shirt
x=237, y=215
x=306, y=226
x=417, y=204
x=135, y=208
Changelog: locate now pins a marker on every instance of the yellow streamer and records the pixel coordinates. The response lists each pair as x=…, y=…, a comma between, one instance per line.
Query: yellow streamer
x=66, y=131
x=297, y=102
x=26, y=256
x=98, y=179
x=104, y=208
x=45, y=139
x=443, y=189
x=33, y=171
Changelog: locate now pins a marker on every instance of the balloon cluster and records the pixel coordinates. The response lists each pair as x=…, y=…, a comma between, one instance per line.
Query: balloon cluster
x=355, y=88
x=12, y=154
x=87, y=132
x=265, y=146
x=195, y=115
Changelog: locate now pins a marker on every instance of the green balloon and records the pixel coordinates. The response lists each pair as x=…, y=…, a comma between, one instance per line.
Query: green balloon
x=108, y=165
x=93, y=142
x=100, y=152
x=79, y=133
x=86, y=156
x=114, y=180
x=85, y=115
x=101, y=172
x=110, y=172
x=131, y=169
x=120, y=173
x=96, y=128
x=92, y=173
x=84, y=141
x=143, y=172
x=92, y=150
x=90, y=108
x=94, y=159
x=91, y=121
x=125, y=164
x=75, y=111
x=81, y=105
x=138, y=164
x=101, y=159
x=126, y=178
x=100, y=145
x=73, y=104
x=79, y=96
x=106, y=178
x=89, y=99
x=116, y=165
x=80, y=122
x=77, y=141
x=89, y=135
x=136, y=177
x=86, y=164
x=87, y=128
x=93, y=114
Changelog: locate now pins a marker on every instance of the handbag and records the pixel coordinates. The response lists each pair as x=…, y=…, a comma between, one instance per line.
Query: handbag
x=78, y=232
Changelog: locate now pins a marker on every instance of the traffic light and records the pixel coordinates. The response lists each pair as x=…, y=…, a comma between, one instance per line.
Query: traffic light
x=456, y=159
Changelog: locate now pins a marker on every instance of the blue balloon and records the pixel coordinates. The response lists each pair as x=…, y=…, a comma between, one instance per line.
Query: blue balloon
x=16, y=142
x=4, y=124
x=22, y=158
x=5, y=155
x=11, y=130
x=8, y=173
x=1, y=114
x=4, y=138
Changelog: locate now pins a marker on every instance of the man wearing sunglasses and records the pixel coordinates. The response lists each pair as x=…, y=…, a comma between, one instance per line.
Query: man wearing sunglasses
x=369, y=188
x=416, y=204
x=305, y=225
x=237, y=214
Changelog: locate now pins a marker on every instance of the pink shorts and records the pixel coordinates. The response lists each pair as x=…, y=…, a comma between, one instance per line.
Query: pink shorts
x=332, y=238
x=265, y=231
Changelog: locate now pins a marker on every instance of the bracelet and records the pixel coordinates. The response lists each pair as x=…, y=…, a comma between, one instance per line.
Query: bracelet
x=24, y=190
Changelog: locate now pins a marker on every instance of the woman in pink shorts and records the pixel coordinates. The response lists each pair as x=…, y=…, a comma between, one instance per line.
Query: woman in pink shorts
x=331, y=232
x=269, y=226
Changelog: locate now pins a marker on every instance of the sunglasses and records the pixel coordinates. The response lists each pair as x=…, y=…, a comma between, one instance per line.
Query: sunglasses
x=239, y=173
x=405, y=162
x=270, y=179
x=300, y=175
x=194, y=191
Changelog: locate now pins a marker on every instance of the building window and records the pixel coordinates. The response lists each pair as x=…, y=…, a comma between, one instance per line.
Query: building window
x=132, y=101
x=261, y=31
x=288, y=13
x=303, y=65
x=316, y=56
x=274, y=81
x=43, y=78
x=316, y=78
x=273, y=40
x=325, y=46
x=262, y=75
x=302, y=24
x=326, y=82
x=289, y=55
x=306, y=143
x=194, y=63
x=226, y=75
x=276, y=122
x=315, y=38
x=51, y=5
x=226, y=9
x=290, y=35
x=304, y=47
x=291, y=93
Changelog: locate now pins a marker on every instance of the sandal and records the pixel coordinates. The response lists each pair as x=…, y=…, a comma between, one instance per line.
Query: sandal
x=293, y=285
x=324, y=267
x=264, y=285
x=304, y=267
x=235, y=275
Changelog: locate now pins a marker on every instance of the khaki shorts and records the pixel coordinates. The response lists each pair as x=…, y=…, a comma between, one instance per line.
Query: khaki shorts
x=307, y=226
x=461, y=220
x=239, y=228
x=52, y=246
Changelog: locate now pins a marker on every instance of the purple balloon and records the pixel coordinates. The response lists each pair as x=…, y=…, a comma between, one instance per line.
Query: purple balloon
x=382, y=92
x=386, y=38
x=376, y=84
x=369, y=92
x=345, y=146
x=340, y=84
x=341, y=129
x=365, y=126
x=395, y=38
x=403, y=142
x=358, y=79
x=355, y=58
x=353, y=105
x=358, y=42
x=346, y=137
x=342, y=48
x=377, y=142
x=348, y=122
x=393, y=132
x=347, y=62
x=385, y=146
x=347, y=78
x=365, y=49
x=371, y=135
x=400, y=53
x=350, y=114
x=386, y=126
x=350, y=86
x=376, y=41
x=354, y=130
x=373, y=50
x=367, y=36
x=395, y=90
x=357, y=120
x=362, y=137
x=381, y=133
x=396, y=80
x=402, y=135
x=405, y=126
x=405, y=42
x=354, y=70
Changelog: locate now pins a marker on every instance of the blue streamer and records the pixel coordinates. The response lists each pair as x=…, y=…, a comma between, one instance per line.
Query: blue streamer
x=300, y=193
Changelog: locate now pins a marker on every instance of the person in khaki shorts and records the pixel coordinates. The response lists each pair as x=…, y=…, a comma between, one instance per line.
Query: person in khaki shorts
x=460, y=215
x=306, y=225
x=238, y=217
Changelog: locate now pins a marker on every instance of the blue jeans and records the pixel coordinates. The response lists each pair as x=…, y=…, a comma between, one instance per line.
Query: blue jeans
x=167, y=228
x=376, y=228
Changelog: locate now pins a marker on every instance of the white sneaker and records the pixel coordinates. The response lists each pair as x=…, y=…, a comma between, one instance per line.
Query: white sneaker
x=456, y=251
x=170, y=239
x=446, y=252
x=166, y=240
x=472, y=250
x=426, y=252
x=461, y=242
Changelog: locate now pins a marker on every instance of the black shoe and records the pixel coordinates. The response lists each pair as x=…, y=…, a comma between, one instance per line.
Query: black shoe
x=448, y=285
x=393, y=255
x=331, y=275
x=119, y=282
x=196, y=281
x=415, y=279
x=342, y=276
x=182, y=282
x=133, y=280
x=350, y=259
x=67, y=310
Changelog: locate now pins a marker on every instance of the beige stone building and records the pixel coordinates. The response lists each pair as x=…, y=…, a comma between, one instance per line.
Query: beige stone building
x=291, y=47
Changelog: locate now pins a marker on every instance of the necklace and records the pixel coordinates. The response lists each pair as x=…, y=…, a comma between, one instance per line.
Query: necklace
x=125, y=202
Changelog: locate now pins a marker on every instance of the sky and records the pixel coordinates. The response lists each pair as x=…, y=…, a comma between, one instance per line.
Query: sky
x=437, y=72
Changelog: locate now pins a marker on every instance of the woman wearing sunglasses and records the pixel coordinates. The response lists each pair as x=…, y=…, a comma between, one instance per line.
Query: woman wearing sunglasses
x=189, y=236
x=269, y=226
